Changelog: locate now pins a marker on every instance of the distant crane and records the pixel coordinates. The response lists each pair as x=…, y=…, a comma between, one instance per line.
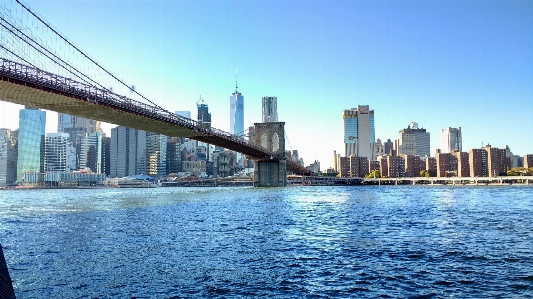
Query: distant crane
x=200, y=100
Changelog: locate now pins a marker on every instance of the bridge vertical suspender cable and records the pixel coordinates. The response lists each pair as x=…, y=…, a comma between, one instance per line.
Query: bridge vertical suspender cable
x=26, y=38
x=83, y=53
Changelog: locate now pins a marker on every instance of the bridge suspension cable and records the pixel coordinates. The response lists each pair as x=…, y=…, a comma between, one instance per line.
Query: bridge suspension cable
x=35, y=46
x=21, y=43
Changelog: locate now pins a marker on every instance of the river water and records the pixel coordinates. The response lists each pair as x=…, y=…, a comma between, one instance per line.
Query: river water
x=297, y=242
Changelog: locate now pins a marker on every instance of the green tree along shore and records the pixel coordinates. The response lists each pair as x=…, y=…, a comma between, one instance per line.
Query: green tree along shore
x=374, y=174
x=518, y=171
x=428, y=173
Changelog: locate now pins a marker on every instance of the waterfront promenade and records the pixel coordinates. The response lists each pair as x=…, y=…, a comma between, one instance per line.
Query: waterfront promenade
x=298, y=180
x=501, y=180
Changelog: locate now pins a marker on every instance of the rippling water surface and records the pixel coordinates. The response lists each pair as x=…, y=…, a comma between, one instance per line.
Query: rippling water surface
x=298, y=242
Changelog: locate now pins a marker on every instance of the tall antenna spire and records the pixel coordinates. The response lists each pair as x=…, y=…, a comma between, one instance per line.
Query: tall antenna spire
x=236, y=86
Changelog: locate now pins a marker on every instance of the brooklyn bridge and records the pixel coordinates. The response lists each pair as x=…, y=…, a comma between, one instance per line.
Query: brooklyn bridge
x=27, y=78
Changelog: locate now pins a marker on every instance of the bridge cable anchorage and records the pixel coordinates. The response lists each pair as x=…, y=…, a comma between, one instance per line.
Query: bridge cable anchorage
x=83, y=53
x=55, y=56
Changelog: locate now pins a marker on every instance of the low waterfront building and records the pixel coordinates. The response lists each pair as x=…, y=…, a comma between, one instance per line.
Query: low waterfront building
x=396, y=165
x=358, y=166
x=413, y=165
x=225, y=163
x=344, y=166
x=194, y=167
x=477, y=160
x=373, y=165
x=497, y=164
x=431, y=164
x=463, y=165
x=64, y=179
x=528, y=161
x=383, y=165
x=446, y=164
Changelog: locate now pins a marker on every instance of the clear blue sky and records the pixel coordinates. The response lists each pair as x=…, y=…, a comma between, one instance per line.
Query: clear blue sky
x=439, y=63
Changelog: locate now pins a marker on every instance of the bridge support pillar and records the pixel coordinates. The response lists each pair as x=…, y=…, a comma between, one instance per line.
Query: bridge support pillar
x=270, y=173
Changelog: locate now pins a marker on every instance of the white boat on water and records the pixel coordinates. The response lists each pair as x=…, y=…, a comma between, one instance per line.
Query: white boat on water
x=137, y=184
x=135, y=181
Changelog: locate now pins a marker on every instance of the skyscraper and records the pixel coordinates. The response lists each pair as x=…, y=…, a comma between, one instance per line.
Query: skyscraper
x=77, y=128
x=270, y=109
x=32, y=123
x=173, y=155
x=335, y=161
x=389, y=147
x=59, y=154
x=106, y=156
x=156, y=154
x=123, y=149
x=92, y=152
x=134, y=152
x=379, y=148
x=414, y=141
x=204, y=117
x=359, y=132
x=65, y=121
x=236, y=117
x=8, y=156
x=140, y=155
x=450, y=140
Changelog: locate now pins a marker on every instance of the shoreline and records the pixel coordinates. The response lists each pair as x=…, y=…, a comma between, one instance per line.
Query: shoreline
x=288, y=185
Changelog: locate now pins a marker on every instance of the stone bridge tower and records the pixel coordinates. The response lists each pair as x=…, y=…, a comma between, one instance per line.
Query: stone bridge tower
x=270, y=172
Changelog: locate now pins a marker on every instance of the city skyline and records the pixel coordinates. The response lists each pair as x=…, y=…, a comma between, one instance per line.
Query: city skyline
x=441, y=64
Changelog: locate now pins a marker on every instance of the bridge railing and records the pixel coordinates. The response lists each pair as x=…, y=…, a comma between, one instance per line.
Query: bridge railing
x=101, y=96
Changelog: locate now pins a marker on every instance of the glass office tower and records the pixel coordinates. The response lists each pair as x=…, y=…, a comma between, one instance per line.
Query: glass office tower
x=32, y=123
x=236, y=113
x=237, y=118
x=359, y=132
